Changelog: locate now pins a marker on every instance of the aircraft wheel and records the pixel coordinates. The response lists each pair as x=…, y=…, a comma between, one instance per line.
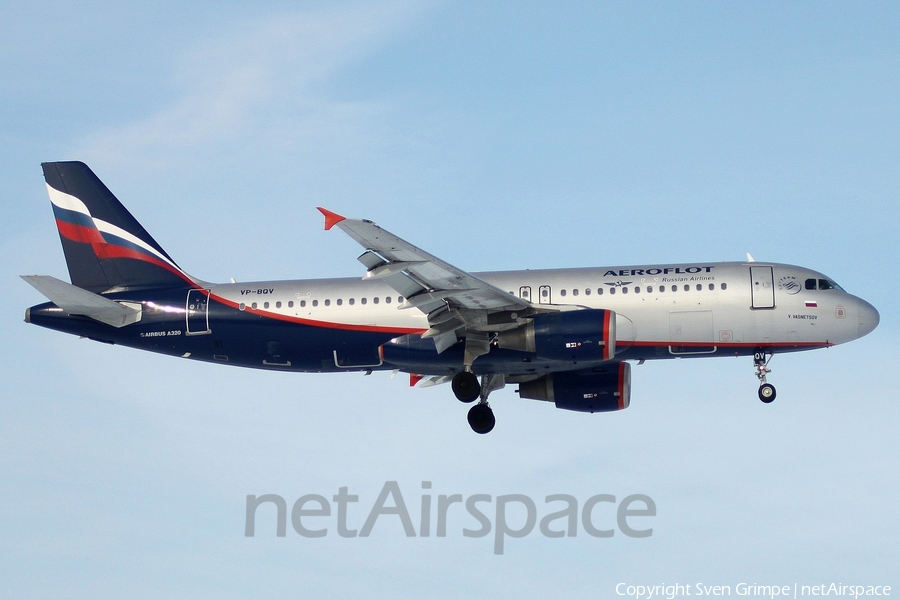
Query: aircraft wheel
x=767, y=392
x=481, y=418
x=466, y=387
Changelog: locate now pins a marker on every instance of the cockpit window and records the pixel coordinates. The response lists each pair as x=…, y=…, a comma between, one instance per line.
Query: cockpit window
x=821, y=284
x=827, y=284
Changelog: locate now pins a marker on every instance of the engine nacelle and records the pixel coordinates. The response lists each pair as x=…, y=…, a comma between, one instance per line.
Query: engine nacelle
x=603, y=389
x=579, y=335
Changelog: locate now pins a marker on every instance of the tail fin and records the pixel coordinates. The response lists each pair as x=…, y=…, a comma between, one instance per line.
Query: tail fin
x=105, y=247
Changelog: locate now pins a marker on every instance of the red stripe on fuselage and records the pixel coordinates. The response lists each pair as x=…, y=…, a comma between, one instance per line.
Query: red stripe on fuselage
x=418, y=330
x=656, y=344
x=315, y=323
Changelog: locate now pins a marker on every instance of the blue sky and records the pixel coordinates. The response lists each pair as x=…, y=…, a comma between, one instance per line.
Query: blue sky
x=498, y=136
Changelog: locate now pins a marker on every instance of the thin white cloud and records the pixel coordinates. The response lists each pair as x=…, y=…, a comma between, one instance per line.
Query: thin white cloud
x=235, y=87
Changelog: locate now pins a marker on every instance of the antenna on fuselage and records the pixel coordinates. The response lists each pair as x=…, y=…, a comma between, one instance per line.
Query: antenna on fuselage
x=750, y=258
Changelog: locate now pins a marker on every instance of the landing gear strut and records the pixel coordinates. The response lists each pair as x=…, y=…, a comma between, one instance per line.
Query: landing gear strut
x=766, y=390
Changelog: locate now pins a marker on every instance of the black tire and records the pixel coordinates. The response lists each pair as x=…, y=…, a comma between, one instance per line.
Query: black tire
x=466, y=387
x=481, y=418
x=767, y=392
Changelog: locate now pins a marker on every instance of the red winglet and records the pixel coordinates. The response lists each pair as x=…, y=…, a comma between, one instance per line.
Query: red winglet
x=331, y=218
x=415, y=378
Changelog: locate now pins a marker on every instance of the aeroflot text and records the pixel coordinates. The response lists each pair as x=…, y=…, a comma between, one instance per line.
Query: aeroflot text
x=657, y=271
x=561, y=518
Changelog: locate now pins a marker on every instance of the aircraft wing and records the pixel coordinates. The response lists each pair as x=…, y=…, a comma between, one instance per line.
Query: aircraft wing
x=458, y=304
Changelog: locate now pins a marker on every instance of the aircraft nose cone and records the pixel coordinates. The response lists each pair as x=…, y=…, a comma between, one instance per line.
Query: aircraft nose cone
x=868, y=318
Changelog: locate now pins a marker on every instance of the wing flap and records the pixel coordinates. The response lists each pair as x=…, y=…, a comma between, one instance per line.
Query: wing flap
x=458, y=304
x=394, y=259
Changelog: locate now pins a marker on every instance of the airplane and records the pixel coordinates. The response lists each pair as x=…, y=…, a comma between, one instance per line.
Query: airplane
x=566, y=336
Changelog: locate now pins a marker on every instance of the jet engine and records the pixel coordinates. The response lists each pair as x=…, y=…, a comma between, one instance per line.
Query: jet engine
x=579, y=335
x=603, y=389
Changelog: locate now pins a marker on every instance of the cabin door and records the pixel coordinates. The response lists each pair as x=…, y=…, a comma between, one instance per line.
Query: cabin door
x=197, y=312
x=762, y=281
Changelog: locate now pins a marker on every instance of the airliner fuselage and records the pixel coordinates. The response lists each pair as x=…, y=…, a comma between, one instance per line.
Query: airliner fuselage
x=563, y=335
x=662, y=311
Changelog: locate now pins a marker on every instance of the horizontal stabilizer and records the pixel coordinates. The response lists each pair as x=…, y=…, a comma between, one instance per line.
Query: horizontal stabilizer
x=77, y=301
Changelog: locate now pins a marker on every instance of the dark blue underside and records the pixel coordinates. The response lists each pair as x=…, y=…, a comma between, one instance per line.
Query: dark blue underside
x=250, y=340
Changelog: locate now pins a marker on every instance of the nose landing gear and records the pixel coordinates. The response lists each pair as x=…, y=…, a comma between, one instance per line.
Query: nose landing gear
x=766, y=390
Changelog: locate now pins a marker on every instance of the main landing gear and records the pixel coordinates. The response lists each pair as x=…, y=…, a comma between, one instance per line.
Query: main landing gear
x=481, y=418
x=467, y=389
x=766, y=390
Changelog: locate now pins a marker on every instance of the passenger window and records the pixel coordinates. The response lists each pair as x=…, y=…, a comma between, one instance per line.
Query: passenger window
x=303, y=304
x=562, y=292
x=544, y=293
x=351, y=301
x=387, y=300
x=375, y=300
x=599, y=291
x=662, y=288
x=265, y=305
x=649, y=289
x=315, y=302
x=362, y=300
x=712, y=286
x=724, y=286
x=624, y=290
x=612, y=290
x=810, y=284
x=637, y=290
x=290, y=304
x=824, y=284
x=699, y=287
x=327, y=302
x=575, y=292
x=674, y=288
x=587, y=291
x=253, y=306
x=687, y=288
x=339, y=301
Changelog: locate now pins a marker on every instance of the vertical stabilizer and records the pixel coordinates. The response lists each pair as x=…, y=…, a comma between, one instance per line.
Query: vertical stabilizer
x=105, y=247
